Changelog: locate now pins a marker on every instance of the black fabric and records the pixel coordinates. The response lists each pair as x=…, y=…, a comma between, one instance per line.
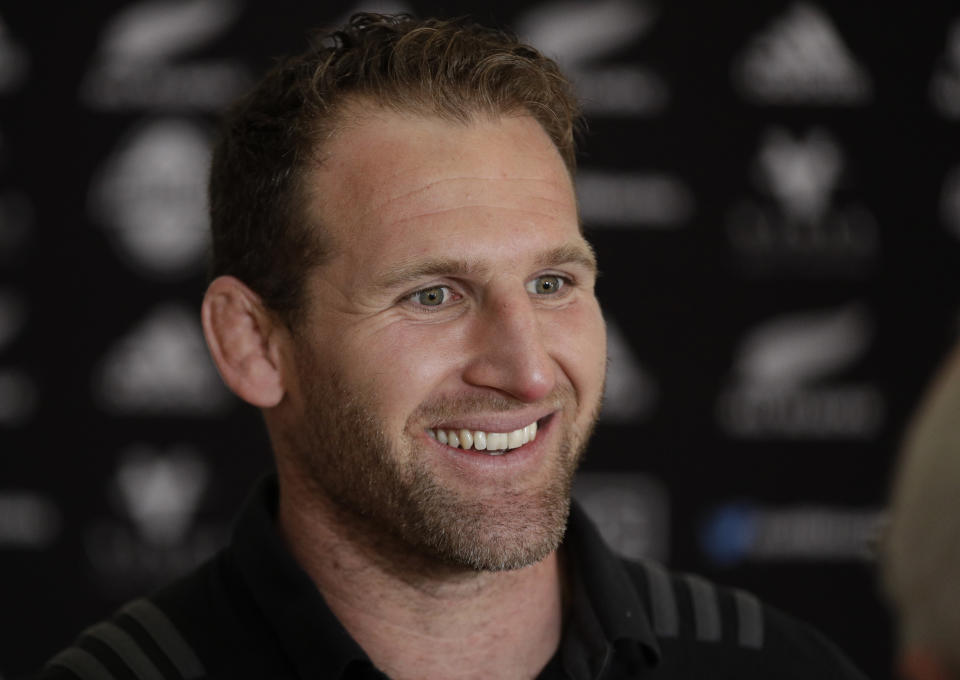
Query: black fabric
x=251, y=612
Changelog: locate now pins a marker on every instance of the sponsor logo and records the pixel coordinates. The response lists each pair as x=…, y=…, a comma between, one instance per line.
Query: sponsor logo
x=798, y=59
x=150, y=198
x=156, y=533
x=799, y=222
x=633, y=201
x=632, y=512
x=139, y=64
x=945, y=83
x=781, y=385
x=581, y=37
x=162, y=368
x=950, y=202
x=741, y=532
x=630, y=394
x=28, y=520
x=14, y=61
x=16, y=220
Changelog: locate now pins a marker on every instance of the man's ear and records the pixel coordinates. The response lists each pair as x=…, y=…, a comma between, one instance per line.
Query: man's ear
x=244, y=341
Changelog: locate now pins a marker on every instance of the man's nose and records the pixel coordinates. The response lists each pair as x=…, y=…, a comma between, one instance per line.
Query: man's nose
x=510, y=350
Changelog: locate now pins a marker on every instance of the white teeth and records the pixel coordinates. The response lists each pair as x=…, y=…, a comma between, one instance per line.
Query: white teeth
x=479, y=440
x=494, y=443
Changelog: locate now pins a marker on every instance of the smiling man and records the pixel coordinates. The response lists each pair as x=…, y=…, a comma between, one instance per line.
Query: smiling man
x=402, y=287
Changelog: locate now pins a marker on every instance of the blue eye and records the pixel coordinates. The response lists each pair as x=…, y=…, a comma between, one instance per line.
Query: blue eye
x=431, y=297
x=545, y=285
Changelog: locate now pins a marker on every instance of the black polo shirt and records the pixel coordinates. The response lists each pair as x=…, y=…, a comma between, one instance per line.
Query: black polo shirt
x=252, y=612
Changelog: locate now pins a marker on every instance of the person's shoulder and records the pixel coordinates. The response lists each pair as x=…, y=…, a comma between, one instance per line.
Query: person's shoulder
x=702, y=627
x=192, y=629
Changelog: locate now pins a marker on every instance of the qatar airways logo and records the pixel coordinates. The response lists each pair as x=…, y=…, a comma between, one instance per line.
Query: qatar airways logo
x=804, y=218
x=155, y=533
x=787, y=382
x=945, y=83
x=801, y=59
x=146, y=58
x=586, y=39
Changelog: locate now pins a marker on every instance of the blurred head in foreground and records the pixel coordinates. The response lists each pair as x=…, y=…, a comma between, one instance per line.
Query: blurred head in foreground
x=921, y=553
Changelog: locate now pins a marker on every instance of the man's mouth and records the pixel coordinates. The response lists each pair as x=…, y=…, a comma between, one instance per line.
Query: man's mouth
x=491, y=443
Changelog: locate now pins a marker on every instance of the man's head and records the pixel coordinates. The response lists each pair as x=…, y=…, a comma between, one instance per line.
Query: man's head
x=442, y=293
x=921, y=551
x=273, y=137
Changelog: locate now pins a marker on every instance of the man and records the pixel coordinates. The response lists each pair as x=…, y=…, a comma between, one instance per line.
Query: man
x=403, y=288
x=921, y=553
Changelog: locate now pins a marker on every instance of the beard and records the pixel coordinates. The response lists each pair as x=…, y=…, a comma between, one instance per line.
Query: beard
x=387, y=489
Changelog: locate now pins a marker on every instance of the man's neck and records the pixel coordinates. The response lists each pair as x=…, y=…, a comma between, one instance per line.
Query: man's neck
x=416, y=618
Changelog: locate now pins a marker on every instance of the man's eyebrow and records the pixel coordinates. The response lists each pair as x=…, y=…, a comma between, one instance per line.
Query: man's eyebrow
x=435, y=266
x=570, y=253
x=404, y=273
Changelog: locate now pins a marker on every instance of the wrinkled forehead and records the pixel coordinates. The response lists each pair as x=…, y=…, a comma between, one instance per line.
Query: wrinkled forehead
x=382, y=172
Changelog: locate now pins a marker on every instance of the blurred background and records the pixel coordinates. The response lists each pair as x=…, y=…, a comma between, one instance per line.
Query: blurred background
x=773, y=190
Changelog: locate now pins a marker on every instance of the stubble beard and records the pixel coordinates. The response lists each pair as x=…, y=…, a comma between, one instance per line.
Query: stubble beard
x=393, y=496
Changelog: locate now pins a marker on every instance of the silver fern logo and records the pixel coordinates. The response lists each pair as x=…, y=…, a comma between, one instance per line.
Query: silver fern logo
x=784, y=381
x=141, y=60
x=584, y=37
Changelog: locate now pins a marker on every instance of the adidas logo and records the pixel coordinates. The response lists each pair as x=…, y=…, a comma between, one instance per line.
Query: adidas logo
x=161, y=367
x=150, y=197
x=630, y=394
x=582, y=36
x=14, y=61
x=945, y=83
x=800, y=58
x=633, y=201
x=780, y=384
x=161, y=490
x=137, y=65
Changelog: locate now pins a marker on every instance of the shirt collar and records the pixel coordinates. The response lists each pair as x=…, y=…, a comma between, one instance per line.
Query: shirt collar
x=605, y=602
x=605, y=605
x=311, y=636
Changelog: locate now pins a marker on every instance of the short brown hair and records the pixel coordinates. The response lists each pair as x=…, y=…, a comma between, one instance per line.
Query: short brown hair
x=451, y=69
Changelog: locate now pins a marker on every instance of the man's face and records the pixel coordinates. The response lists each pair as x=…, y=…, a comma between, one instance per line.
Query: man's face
x=459, y=298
